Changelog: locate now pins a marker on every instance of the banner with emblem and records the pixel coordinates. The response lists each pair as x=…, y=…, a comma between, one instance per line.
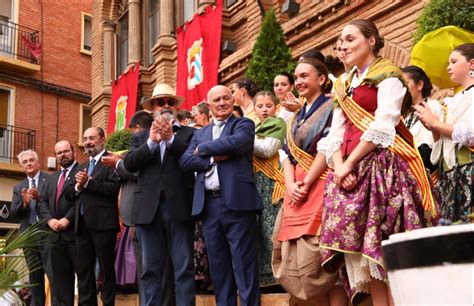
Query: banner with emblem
x=123, y=101
x=199, y=44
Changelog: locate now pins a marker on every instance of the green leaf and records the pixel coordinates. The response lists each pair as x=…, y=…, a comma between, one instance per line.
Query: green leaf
x=118, y=140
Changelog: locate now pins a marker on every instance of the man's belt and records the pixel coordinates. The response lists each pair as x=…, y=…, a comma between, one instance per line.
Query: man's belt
x=213, y=193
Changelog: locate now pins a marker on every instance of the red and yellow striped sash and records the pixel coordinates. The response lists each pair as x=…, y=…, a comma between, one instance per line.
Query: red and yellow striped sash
x=304, y=159
x=403, y=146
x=269, y=167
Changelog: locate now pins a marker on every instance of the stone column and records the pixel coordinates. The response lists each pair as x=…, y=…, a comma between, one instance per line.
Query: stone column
x=134, y=46
x=109, y=29
x=164, y=51
x=166, y=18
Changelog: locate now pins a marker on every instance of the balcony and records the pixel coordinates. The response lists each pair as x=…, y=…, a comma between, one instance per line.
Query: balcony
x=13, y=140
x=20, y=48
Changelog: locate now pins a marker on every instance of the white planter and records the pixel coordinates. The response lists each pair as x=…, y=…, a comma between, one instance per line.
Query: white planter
x=432, y=266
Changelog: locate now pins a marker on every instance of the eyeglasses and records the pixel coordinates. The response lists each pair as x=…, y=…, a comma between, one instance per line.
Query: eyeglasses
x=65, y=152
x=162, y=102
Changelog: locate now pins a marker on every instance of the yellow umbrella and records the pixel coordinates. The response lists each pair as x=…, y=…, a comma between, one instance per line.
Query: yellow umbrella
x=431, y=53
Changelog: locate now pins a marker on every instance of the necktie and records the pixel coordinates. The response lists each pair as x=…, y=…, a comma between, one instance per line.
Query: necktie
x=162, y=149
x=62, y=178
x=216, y=133
x=32, y=206
x=91, y=167
x=217, y=129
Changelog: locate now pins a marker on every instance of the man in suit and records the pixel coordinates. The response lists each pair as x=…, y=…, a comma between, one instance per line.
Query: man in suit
x=26, y=196
x=163, y=199
x=96, y=224
x=226, y=196
x=59, y=214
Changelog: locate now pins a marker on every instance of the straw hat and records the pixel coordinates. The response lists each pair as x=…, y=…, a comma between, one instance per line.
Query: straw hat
x=162, y=91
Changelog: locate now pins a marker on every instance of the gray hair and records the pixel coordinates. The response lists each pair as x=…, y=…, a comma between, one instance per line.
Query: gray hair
x=27, y=152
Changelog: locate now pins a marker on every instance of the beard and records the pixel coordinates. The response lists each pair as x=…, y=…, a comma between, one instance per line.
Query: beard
x=66, y=162
x=93, y=151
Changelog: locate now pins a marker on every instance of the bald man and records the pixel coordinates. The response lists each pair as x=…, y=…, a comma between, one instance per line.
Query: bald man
x=226, y=197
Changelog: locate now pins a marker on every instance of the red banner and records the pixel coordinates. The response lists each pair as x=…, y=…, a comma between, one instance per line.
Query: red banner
x=199, y=44
x=123, y=101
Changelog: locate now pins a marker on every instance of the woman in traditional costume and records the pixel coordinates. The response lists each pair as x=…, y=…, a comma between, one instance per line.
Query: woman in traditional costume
x=453, y=133
x=379, y=185
x=269, y=137
x=296, y=262
x=243, y=90
x=283, y=84
x=419, y=86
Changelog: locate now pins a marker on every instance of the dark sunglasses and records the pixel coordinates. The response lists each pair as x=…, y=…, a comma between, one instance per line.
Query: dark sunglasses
x=162, y=102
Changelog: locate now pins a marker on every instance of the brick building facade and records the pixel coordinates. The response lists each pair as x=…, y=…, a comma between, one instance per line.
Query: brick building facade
x=44, y=97
x=316, y=25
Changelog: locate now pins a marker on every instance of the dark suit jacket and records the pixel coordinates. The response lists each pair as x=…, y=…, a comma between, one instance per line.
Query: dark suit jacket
x=66, y=208
x=156, y=177
x=99, y=198
x=129, y=183
x=236, y=177
x=17, y=201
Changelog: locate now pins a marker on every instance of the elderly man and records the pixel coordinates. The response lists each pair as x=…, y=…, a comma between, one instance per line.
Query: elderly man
x=96, y=224
x=25, y=205
x=163, y=199
x=226, y=196
x=59, y=214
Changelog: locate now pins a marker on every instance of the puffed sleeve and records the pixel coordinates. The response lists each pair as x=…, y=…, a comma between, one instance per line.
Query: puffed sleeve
x=463, y=134
x=266, y=147
x=390, y=96
x=332, y=142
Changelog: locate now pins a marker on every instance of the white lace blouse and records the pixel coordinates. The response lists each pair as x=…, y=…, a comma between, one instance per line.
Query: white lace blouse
x=382, y=132
x=459, y=114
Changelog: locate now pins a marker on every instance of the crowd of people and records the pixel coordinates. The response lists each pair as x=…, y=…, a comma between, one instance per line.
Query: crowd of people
x=257, y=191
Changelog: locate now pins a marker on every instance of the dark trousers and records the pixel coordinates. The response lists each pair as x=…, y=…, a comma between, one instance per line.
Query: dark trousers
x=163, y=237
x=35, y=262
x=231, y=239
x=60, y=267
x=167, y=298
x=92, y=244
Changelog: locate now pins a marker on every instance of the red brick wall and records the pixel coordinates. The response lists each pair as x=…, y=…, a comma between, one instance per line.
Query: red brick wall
x=62, y=64
x=60, y=33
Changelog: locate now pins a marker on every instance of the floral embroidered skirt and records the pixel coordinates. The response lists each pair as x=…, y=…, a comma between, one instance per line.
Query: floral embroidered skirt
x=385, y=201
x=455, y=186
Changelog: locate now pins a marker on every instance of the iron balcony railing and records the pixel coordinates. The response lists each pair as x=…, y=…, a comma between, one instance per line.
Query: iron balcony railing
x=19, y=41
x=13, y=140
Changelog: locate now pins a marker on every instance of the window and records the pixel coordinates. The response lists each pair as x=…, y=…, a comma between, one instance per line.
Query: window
x=86, y=35
x=7, y=39
x=85, y=120
x=153, y=27
x=6, y=115
x=189, y=8
x=229, y=3
x=122, y=44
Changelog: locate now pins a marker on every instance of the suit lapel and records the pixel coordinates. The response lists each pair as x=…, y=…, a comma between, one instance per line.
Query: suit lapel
x=208, y=132
x=227, y=126
x=98, y=164
x=176, y=135
x=41, y=182
x=66, y=181
x=54, y=184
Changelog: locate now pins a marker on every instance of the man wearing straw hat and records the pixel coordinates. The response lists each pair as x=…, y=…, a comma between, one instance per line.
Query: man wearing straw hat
x=163, y=199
